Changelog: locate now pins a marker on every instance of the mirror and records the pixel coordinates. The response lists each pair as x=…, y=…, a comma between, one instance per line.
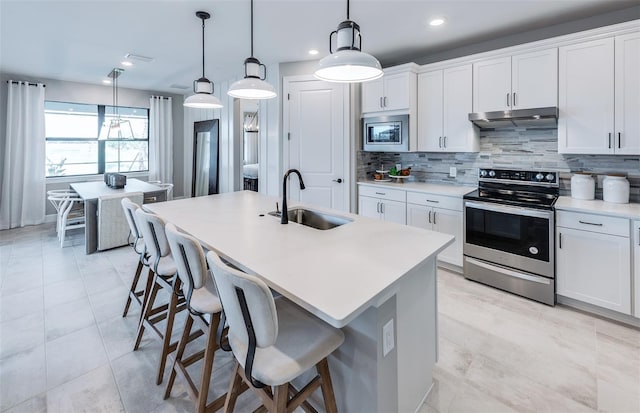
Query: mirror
x=205, y=158
x=250, y=143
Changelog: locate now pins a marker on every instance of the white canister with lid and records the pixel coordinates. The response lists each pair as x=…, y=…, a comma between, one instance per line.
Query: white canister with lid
x=615, y=188
x=583, y=186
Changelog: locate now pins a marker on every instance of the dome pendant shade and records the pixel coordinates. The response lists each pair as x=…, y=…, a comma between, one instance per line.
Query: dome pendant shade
x=253, y=85
x=203, y=97
x=348, y=64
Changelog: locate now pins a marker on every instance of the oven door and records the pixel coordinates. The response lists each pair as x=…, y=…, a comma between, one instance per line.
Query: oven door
x=520, y=238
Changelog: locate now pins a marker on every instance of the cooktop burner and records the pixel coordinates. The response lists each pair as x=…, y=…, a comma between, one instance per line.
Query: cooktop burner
x=533, y=189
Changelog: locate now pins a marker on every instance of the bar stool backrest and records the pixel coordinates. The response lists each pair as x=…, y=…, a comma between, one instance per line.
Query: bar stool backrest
x=152, y=228
x=189, y=258
x=234, y=287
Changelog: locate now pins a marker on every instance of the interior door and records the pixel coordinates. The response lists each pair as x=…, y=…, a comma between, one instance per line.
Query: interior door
x=317, y=142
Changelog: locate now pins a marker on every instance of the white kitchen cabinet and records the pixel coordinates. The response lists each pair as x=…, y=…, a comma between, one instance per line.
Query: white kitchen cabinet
x=395, y=91
x=383, y=203
x=527, y=80
x=438, y=213
x=599, y=96
x=636, y=266
x=593, y=258
x=444, y=104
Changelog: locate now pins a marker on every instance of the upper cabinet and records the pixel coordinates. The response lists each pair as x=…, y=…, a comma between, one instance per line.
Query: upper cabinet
x=395, y=91
x=599, y=96
x=528, y=80
x=444, y=103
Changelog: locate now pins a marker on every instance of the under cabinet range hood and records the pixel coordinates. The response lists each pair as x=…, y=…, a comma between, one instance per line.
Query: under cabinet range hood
x=522, y=118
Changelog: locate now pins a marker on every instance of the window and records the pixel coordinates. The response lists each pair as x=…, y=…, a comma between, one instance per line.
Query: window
x=72, y=143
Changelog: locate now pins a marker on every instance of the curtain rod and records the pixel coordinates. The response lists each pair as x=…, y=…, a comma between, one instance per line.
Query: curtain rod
x=28, y=83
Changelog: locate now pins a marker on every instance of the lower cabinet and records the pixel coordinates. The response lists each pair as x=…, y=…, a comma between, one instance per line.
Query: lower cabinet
x=593, y=258
x=636, y=266
x=383, y=203
x=447, y=221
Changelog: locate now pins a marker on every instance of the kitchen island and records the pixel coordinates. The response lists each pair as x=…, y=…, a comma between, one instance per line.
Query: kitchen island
x=359, y=277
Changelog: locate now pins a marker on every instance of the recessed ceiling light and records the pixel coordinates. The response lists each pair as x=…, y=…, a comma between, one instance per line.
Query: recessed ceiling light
x=313, y=52
x=437, y=21
x=106, y=81
x=126, y=63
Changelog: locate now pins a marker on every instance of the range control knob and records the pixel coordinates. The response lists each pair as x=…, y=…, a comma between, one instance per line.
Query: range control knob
x=483, y=173
x=551, y=177
x=492, y=173
x=539, y=176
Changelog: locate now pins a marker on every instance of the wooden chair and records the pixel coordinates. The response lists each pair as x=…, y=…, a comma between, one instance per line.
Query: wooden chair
x=273, y=341
x=162, y=274
x=202, y=303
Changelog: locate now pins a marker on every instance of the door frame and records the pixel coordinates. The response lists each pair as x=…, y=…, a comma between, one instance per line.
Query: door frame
x=349, y=143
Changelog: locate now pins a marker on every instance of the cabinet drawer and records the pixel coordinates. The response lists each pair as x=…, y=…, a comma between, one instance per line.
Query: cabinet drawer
x=593, y=223
x=438, y=201
x=383, y=193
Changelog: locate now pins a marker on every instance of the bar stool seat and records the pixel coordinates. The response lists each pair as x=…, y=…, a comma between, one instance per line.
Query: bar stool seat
x=205, y=300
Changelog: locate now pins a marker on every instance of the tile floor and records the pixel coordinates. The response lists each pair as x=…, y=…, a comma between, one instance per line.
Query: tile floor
x=64, y=346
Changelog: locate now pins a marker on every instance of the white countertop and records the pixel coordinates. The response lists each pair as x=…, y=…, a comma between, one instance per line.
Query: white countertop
x=598, y=206
x=95, y=189
x=335, y=274
x=440, y=189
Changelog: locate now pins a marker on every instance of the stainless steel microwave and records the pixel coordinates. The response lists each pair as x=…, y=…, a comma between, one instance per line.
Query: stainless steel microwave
x=386, y=133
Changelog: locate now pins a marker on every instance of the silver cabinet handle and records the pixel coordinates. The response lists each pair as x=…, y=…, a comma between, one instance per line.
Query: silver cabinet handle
x=382, y=207
x=381, y=193
x=385, y=101
x=444, y=140
x=590, y=223
x=429, y=217
x=381, y=105
x=609, y=140
x=514, y=100
x=638, y=235
x=508, y=99
x=440, y=142
x=559, y=240
x=378, y=207
x=432, y=201
x=619, y=133
x=434, y=217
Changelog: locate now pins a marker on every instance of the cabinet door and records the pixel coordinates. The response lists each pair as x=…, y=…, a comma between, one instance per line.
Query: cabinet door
x=371, y=94
x=459, y=135
x=627, y=83
x=449, y=222
x=492, y=85
x=369, y=207
x=419, y=216
x=534, y=79
x=636, y=266
x=585, y=98
x=396, y=90
x=430, y=113
x=594, y=268
x=394, y=211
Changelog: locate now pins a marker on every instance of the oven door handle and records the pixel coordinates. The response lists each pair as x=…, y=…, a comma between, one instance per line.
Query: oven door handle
x=510, y=273
x=508, y=209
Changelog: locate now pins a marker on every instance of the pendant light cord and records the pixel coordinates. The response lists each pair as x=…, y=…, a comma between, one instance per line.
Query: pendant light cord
x=251, y=28
x=347, y=9
x=202, y=46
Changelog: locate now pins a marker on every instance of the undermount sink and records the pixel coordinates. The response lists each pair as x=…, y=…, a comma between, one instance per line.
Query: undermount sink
x=313, y=219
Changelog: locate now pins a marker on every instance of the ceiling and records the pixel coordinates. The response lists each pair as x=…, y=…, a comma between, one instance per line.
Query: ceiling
x=83, y=40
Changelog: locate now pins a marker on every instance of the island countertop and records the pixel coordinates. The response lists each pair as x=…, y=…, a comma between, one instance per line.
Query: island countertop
x=335, y=274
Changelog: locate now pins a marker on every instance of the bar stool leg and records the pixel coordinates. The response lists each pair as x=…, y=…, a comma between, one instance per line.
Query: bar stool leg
x=179, y=353
x=327, y=387
x=167, y=348
x=234, y=389
x=146, y=313
x=132, y=290
x=207, y=365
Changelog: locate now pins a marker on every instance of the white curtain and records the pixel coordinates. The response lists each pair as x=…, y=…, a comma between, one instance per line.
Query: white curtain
x=160, y=139
x=22, y=201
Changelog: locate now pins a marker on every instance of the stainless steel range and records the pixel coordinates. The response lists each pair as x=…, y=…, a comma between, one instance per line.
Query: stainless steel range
x=509, y=232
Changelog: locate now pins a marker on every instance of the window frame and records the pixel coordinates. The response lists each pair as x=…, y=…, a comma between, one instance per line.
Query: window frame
x=101, y=161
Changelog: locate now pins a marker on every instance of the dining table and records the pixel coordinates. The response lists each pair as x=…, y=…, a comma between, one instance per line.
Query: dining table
x=90, y=192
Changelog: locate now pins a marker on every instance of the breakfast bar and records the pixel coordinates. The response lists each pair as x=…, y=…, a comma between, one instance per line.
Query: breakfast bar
x=376, y=280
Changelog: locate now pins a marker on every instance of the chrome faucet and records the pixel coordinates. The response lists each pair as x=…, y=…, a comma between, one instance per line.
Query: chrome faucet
x=285, y=214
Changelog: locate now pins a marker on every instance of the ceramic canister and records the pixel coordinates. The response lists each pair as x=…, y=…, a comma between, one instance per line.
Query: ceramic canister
x=583, y=186
x=615, y=188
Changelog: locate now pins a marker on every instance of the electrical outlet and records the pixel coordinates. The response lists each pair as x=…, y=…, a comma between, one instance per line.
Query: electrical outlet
x=453, y=171
x=388, y=339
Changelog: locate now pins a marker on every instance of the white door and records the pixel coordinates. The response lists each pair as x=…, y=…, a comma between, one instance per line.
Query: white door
x=449, y=222
x=492, y=85
x=534, y=79
x=316, y=142
x=594, y=268
x=396, y=91
x=627, y=83
x=419, y=216
x=430, y=111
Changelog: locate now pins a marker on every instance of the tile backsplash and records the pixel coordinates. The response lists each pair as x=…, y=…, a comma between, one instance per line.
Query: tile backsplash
x=534, y=149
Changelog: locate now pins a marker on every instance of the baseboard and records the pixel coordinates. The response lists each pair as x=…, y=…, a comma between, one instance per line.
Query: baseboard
x=50, y=218
x=599, y=311
x=450, y=267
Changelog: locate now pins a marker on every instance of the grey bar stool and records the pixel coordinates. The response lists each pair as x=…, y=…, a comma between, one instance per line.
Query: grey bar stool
x=162, y=274
x=202, y=300
x=273, y=341
x=136, y=241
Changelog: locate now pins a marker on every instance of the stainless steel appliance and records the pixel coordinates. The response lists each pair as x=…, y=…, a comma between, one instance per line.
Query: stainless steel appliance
x=509, y=232
x=527, y=118
x=386, y=133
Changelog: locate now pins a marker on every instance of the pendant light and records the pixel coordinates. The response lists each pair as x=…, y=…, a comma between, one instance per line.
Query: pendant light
x=116, y=128
x=203, y=97
x=348, y=64
x=253, y=85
